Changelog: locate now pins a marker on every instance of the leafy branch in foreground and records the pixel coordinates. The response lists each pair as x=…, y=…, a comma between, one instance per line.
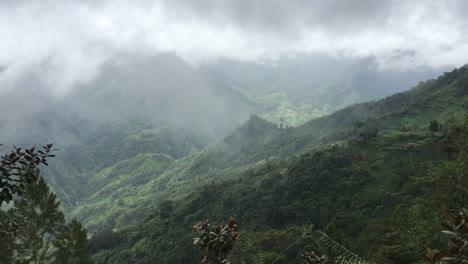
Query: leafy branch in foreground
x=457, y=227
x=18, y=168
x=215, y=241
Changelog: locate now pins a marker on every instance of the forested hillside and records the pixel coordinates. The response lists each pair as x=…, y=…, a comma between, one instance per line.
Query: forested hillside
x=359, y=174
x=257, y=142
x=127, y=112
x=233, y=132
x=371, y=176
x=119, y=115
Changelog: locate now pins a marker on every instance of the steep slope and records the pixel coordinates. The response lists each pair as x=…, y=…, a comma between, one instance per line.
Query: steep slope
x=134, y=105
x=93, y=147
x=353, y=176
x=113, y=189
x=401, y=116
x=214, y=164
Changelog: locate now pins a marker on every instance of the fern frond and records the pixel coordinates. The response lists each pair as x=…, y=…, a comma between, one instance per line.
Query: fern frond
x=344, y=255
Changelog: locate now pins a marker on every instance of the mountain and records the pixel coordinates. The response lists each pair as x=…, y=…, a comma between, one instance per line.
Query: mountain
x=135, y=140
x=252, y=144
x=294, y=89
x=354, y=174
x=140, y=105
x=135, y=105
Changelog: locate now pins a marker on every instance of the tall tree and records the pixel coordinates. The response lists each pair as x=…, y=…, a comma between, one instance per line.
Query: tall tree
x=43, y=219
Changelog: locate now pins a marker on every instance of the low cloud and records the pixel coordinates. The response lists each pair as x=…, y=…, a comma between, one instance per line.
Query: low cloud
x=65, y=42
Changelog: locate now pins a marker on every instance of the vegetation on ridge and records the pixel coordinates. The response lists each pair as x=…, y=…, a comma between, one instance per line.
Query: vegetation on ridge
x=371, y=182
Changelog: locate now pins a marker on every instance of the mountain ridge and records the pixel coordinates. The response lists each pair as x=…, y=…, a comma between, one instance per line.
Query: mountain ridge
x=258, y=141
x=352, y=178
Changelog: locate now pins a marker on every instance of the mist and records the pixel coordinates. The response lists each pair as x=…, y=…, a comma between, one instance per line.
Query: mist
x=172, y=61
x=153, y=89
x=66, y=42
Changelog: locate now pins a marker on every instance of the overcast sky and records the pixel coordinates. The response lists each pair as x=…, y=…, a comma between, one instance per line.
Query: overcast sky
x=64, y=42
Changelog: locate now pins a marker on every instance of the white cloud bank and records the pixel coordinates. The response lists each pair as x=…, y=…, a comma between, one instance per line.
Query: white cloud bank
x=64, y=42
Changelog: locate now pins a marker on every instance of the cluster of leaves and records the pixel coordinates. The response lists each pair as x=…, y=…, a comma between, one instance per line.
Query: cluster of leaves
x=456, y=226
x=18, y=168
x=433, y=256
x=215, y=242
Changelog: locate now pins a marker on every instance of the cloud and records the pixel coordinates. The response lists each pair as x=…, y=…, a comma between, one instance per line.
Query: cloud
x=155, y=88
x=285, y=16
x=65, y=42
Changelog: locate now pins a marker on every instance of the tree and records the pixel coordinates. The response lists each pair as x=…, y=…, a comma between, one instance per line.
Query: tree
x=104, y=239
x=166, y=209
x=39, y=207
x=434, y=126
x=72, y=245
x=369, y=133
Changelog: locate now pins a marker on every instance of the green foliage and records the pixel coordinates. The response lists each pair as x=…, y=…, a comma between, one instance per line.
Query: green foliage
x=71, y=244
x=433, y=257
x=104, y=239
x=8, y=228
x=122, y=193
x=369, y=133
